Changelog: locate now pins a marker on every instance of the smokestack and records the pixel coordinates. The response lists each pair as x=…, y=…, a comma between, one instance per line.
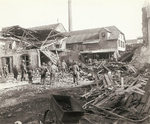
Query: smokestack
x=69, y=16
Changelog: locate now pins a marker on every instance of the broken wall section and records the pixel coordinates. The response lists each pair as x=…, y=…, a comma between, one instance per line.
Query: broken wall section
x=141, y=57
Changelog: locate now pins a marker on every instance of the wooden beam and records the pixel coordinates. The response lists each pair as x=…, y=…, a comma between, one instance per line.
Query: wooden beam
x=47, y=37
x=122, y=117
x=23, y=41
x=31, y=35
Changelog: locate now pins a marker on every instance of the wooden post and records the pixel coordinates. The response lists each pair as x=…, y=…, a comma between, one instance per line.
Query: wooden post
x=122, y=82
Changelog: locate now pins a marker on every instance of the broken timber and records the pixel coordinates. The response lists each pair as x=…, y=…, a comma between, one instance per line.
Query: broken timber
x=144, y=105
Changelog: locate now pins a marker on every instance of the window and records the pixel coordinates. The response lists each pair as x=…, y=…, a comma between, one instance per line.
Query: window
x=119, y=43
x=123, y=44
x=57, y=46
x=70, y=47
x=103, y=34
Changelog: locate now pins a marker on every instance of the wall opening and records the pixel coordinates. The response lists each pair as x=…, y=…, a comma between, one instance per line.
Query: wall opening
x=25, y=57
x=44, y=58
x=9, y=62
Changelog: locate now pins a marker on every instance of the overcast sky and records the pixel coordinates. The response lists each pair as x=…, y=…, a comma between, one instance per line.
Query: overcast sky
x=124, y=14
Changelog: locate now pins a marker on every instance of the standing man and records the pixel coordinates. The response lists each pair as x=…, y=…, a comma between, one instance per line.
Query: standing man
x=30, y=73
x=63, y=67
x=59, y=65
x=53, y=71
x=75, y=69
x=5, y=70
x=43, y=70
x=23, y=70
x=49, y=65
x=15, y=72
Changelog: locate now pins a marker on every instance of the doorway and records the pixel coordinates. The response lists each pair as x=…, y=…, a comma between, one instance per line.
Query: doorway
x=9, y=62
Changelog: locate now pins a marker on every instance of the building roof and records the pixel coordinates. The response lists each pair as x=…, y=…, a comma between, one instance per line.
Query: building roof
x=91, y=34
x=34, y=34
x=134, y=41
x=47, y=27
x=131, y=41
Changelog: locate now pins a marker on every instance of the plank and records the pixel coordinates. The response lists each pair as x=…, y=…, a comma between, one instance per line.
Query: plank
x=110, y=78
x=139, y=108
x=105, y=68
x=147, y=87
x=147, y=105
x=129, y=100
x=143, y=101
x=107, y=79
x=104, y=82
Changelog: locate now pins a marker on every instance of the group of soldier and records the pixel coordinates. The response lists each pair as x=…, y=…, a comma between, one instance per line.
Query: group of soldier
x=48, y=68
x=60, y=67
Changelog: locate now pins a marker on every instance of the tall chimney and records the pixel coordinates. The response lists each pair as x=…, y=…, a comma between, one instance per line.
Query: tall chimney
x=69, y=16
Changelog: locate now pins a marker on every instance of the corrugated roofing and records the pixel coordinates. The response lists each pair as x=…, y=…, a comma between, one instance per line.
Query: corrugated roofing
x=90, y=34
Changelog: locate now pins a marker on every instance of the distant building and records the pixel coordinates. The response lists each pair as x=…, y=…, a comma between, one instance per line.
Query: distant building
x=133, y=43
x=139, y=40
x=98, y=43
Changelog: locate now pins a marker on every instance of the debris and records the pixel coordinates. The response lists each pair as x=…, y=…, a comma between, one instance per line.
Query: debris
x=18, y=122
x=122, y=87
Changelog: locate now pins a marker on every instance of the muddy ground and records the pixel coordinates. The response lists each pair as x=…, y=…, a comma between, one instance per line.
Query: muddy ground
x=29, y=102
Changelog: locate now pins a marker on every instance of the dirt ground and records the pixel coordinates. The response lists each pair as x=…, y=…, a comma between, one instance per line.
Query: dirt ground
x=28, y=103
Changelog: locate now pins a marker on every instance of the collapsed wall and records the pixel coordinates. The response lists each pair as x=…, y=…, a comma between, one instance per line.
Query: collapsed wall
x=141, y=57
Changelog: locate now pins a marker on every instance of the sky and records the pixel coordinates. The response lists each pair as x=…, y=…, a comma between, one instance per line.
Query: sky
x=126, y=15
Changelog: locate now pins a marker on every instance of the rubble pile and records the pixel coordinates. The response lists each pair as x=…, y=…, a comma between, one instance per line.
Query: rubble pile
x=121, y=91
x=141, y=57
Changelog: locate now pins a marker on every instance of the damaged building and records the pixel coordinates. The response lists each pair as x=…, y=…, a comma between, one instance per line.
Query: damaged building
x=52, y=42
x=34, y=45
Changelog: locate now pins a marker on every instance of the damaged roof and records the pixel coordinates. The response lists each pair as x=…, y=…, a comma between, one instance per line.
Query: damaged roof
x=81, y=36
x=48, y=27
x=32, y=34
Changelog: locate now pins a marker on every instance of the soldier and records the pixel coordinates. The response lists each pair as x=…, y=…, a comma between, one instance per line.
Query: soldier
x=30, y=73
x=43, y=71
x=75, y=69
x=53, y=71
x=63, y=67
x=15, y=72
x=5, y=70
x=59, y=65
x=23, y=70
